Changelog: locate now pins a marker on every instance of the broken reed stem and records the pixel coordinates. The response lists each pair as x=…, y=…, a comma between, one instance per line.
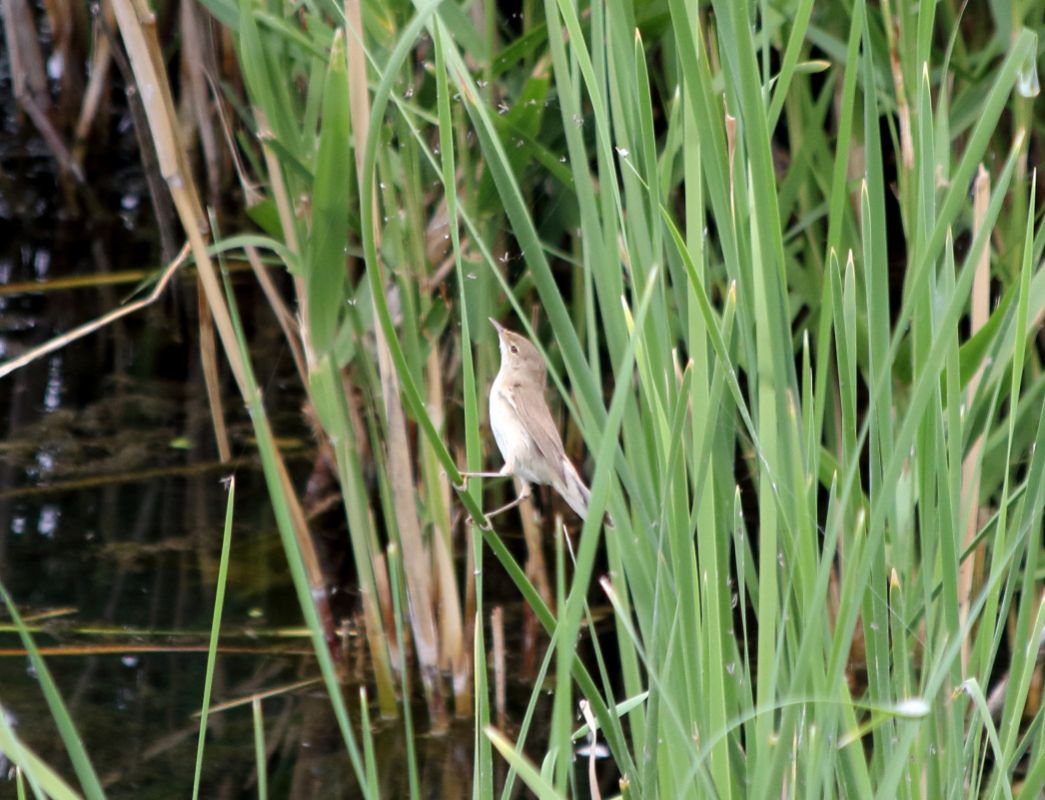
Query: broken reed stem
x=58, y=342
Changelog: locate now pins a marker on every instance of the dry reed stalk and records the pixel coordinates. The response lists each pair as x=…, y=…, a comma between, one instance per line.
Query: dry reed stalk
x=903, y=107
x=382, y=607
x=500, y=683
x=456, y=655
x=284, y=208
x=161, y=199
x=196, y=58
x=970, y=491
x=23, y=52
x=29, y=81
x=58, y=342
x=451, y=642
x=114, y=478
x=536, y=567
x=416, y=558
x=95, y=280
x=278, y=187
x=463, y=695
x=68, y=23
x=97, y=82
x=212, y=377
x=287, y=323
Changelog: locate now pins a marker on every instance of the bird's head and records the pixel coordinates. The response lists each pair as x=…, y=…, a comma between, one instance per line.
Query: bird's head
x=518, y=354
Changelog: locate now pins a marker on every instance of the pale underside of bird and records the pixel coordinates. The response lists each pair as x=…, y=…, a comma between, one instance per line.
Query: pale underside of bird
x=524, y=430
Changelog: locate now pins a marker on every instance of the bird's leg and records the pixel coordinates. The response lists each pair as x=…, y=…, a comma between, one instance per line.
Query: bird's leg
x=503, y=472
x=521, y=496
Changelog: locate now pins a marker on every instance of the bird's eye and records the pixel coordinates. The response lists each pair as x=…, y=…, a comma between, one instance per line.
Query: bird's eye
x=513, y=348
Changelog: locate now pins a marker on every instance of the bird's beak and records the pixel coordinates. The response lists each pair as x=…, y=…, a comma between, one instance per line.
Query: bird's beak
x=500, y=328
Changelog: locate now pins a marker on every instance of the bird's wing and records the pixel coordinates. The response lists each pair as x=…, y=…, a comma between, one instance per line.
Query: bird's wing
x=537, y=421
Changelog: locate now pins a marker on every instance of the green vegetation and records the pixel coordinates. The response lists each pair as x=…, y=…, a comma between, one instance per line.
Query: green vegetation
x=784, y=261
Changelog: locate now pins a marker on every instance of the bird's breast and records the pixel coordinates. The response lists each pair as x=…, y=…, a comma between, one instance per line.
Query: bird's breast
x=520, y=451
x=505, y=424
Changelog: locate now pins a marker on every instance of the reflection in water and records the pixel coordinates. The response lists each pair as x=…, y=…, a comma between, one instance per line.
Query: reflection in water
x=53, y=390
x=109, y=539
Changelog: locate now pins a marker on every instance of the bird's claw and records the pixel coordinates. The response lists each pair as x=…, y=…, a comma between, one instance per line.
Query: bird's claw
x=487, y=527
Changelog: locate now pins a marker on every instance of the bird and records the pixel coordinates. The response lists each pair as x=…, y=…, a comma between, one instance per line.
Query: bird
x=524, y=430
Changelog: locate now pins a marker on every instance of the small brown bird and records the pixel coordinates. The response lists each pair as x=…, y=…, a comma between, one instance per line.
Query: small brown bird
x=524, y=429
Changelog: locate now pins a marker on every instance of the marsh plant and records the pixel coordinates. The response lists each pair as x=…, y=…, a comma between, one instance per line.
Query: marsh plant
x=782, y=261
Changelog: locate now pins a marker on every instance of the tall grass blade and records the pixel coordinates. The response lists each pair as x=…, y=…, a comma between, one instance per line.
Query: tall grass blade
x=215, y=631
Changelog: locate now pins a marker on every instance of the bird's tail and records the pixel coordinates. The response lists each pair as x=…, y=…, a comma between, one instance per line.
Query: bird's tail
x=576, y=493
